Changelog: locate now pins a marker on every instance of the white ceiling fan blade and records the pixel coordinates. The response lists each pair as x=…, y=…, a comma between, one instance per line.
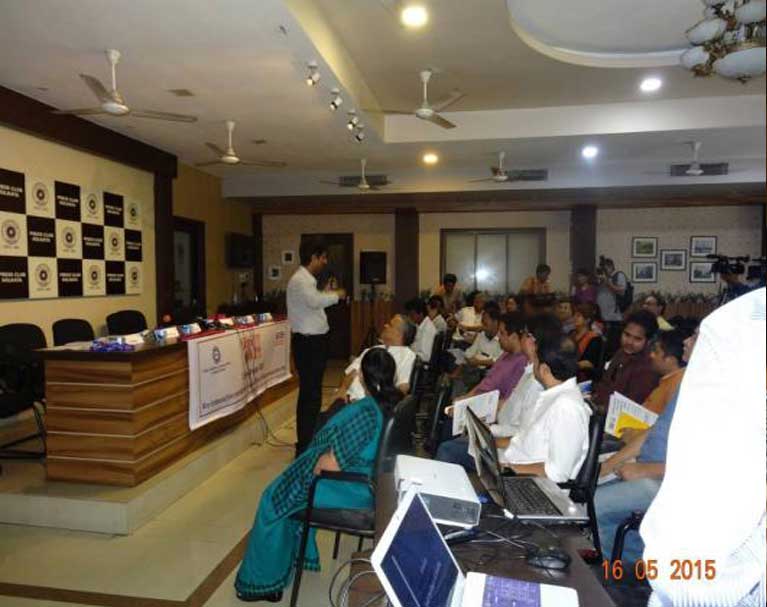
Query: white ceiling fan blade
x=274, y=164
x=440, y=121
x=215, y=148
x=481, y=180
x=363, y=164
x=501, y=158
x=98, y=89
x=452, y=98
x=207, y=164
x=154, y=114
x=88, y=111
x=696, y=145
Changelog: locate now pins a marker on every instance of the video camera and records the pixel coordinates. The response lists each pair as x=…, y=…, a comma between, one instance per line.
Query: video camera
x=757, y=270
x=724, y=264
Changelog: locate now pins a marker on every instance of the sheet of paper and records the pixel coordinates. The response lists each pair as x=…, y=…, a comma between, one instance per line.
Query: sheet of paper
x=483, y=405
x=459, y=355
x=622, y=413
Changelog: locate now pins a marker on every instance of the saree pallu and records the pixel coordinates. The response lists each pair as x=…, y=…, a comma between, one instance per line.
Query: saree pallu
x=352, y=435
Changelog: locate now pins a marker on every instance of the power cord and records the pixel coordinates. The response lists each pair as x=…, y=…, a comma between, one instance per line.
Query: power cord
x=341, y=567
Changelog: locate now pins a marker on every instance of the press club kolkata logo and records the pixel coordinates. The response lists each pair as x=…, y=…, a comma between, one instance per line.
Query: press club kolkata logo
x=40, y=196
x=94, y=277
x=43, y=276
x=215, y=354
x=11, y=232
x=91, y=205
x=70, y=239
x=134, y=277
x=133, y=212
x=114, y=243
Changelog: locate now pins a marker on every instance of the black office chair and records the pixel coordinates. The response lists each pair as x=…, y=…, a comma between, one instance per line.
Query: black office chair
x=22, y=383
x=600, y=366
x=584, y=486
x=126, y=322
x=632, y=523
x=442, y=400
x=67, y=330
x=395, y=439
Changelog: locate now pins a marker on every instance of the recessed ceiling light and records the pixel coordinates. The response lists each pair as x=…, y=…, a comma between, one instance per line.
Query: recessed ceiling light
x=430, y=158
x=650, y=85
x=590, y=151
x=414, y=15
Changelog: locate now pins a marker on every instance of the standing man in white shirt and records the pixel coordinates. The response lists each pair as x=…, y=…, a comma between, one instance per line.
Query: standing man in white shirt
x=424, y=337
x=710, y=508
x=310, y=334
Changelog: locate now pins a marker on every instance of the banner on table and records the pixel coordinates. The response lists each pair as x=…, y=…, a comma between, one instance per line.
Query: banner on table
x=228, y=370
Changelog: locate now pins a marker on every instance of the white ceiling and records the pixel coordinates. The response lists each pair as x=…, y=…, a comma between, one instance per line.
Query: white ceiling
x=234, y=57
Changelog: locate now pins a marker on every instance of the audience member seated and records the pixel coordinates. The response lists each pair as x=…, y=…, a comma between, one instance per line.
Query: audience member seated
x=481, y=354
x=667, y=356
x=635, y=483
x=448, y=290
x=564, y=312
x=538, y=284
x=630, y=371
x=347, y=442
x=583, y=290
x=555, y=442
x=656, y=305
x=588, y=342
x=511, y=304
x=469, y=318
x=504, y=376
x=434, y=309
x=397, y=337
x=424, y=337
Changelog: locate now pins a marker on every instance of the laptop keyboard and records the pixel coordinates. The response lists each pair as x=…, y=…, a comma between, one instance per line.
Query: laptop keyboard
x=524, y=496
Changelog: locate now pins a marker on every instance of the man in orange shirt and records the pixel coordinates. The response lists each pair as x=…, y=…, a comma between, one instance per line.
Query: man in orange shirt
x=538, y=284
x=666, y=357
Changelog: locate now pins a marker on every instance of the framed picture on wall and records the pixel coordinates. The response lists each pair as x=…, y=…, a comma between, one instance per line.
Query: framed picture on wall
x=700, y=271
x=274, y=272
x=644, y=246
x=673, y=259
x=700, y=246
x=644, y=271
x=288, y=258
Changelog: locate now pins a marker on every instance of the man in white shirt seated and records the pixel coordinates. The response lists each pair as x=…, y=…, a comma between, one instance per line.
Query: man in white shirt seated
x=424, y=337
x=397, y=337
x=434, y=308
x=469, y=318
x=480, y=355
x=555, y=442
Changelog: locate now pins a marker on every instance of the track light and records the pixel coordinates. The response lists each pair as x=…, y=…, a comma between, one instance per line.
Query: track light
x=336, y=102
x=360, y=134
x=313, y=77
x=353, y=121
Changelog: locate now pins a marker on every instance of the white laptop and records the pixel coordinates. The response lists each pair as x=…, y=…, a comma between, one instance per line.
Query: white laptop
x=417, y=569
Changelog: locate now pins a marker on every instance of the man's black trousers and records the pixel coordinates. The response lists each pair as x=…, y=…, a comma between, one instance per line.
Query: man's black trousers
x=311, y=355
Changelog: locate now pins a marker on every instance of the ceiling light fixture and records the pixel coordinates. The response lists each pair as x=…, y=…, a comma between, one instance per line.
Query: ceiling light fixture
x=360, y=134
x=414, y=16
x=313, y=77
x=353, y=121
x=730, y=40
x=336, y=102
x=590, y=151
x=650, y=85
x=430, y=158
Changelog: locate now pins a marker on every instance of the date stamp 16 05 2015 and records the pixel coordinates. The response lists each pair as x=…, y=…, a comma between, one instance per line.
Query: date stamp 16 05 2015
x=679, y=569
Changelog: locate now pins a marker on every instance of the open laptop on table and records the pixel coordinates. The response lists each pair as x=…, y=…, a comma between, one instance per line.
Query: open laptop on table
x=417, y=569
x=528, y=499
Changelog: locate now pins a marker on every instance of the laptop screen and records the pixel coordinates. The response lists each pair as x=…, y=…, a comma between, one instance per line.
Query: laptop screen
x=418, y=565
x=486, y=445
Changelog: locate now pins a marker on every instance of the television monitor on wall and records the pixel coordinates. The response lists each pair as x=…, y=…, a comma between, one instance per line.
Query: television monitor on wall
x=240, y=251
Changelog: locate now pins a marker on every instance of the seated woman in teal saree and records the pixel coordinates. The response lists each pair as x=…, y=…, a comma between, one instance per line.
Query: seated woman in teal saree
x=348, y=442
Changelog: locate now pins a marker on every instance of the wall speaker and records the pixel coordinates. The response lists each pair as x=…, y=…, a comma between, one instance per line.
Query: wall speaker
x=372, y=267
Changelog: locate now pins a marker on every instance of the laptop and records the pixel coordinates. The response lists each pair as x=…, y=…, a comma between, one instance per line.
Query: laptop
x=417, y=569
x=526, y=498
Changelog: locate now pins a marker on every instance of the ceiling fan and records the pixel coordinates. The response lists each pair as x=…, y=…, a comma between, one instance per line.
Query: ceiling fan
x=229, y=156
x=694, y=169
x=362, y=183
x=113, y=103
x=428, y=111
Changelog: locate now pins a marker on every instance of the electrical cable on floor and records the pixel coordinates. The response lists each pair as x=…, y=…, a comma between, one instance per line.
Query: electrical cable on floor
x=337, y=573
x=346, y=588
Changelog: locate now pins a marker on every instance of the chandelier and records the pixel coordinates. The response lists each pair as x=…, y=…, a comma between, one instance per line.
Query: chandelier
x=729, y=41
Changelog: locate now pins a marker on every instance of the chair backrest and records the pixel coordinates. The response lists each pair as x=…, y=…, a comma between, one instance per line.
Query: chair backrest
x=22, y=335
x=436, y=350
x=442, y=400
x=586, y=482
x=600, y=366
x=415, y=376
x=68, y=330
x=396, y=437
x=126, y=322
